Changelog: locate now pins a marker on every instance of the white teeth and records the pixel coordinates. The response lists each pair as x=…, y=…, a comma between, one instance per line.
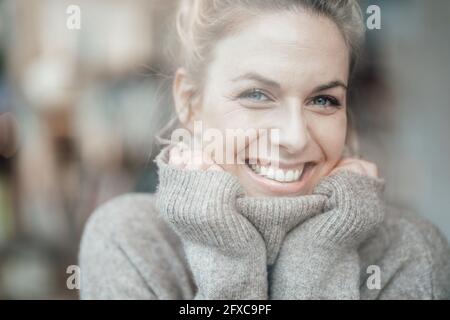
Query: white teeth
x=263, y=171
x=270, y=173
x=289, y=176
x=277, y=174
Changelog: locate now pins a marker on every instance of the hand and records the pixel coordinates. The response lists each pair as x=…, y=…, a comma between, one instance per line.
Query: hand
x=225, y=253
x=198, y=198
x=359, y=166
x=328, y=241
x=355, y=203
x=182, y=157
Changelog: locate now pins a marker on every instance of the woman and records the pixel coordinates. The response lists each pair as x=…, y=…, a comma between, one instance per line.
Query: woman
x=304, y=223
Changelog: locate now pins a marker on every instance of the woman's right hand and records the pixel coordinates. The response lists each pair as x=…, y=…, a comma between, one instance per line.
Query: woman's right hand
x=182, y=157
x=226, y=254
x=198, y=198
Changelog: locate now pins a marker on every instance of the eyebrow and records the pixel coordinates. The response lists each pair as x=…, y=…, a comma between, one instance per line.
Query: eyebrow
x=272, y=83
x=330, y=85
x=258, y=78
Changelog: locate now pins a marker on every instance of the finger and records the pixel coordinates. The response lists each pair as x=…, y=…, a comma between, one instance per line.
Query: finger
x=345, y=161
x=360, y=167
x=208, y=159
x=372, y=170
x=186, y=154
x=176, y=158
x=182, y=146
x=195, y=161
x=215, y=167
x=353, y=167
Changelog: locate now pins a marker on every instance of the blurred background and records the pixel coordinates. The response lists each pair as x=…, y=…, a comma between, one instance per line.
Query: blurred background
x=79, y=110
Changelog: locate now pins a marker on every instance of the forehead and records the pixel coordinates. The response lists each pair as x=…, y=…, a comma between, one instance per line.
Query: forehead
x=289, y=47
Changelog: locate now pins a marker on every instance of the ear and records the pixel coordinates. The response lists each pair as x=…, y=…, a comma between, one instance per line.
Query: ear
x=183, y=92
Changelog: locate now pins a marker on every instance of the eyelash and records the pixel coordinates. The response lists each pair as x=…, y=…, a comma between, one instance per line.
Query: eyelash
x=246, y=94
x=334, y=103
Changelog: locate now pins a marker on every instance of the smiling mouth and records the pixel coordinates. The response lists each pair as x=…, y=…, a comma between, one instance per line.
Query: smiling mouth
x=278, y=174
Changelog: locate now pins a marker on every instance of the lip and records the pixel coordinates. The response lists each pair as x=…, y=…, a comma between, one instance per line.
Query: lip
x=281, y=188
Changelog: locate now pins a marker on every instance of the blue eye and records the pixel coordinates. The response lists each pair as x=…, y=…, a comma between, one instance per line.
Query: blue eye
x=326, y=101
x=255, y=95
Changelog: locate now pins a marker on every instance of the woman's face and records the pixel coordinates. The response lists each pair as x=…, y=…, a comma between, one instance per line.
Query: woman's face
x=286, y=71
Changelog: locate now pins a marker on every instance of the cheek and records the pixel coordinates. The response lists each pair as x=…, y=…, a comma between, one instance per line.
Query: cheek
x=329, y=133
x=235, y=124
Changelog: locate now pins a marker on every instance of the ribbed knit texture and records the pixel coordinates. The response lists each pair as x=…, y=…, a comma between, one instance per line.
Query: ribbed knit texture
x=275, y=217
x=226, y=253
x=200, y=237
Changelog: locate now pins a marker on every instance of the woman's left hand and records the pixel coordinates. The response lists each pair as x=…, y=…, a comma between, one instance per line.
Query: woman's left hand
x=359, y=166
x=319, y=258
x=355, y=202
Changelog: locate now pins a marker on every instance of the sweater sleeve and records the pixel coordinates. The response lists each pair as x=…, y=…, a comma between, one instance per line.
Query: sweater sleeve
x=107, y=270
x=319, y=258
x=440, y=263
x=422, y=263
x=226, y=254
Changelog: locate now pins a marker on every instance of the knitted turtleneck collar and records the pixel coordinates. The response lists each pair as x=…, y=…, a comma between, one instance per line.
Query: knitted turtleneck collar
x=273, y=217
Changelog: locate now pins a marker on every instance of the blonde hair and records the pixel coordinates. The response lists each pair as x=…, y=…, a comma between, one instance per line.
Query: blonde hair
x=200, y=24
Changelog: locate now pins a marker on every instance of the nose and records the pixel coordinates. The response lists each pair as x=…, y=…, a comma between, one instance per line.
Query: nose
x=294, y=134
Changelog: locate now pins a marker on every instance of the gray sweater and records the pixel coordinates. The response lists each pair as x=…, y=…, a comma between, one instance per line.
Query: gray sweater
x=200, y=237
